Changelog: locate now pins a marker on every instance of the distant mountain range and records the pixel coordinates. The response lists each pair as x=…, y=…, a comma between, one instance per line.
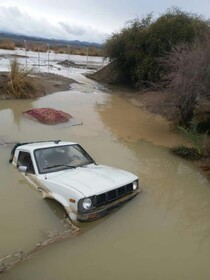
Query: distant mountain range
x=21, y=37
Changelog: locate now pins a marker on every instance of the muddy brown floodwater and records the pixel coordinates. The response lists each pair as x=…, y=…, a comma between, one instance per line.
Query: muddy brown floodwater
x=162, y=234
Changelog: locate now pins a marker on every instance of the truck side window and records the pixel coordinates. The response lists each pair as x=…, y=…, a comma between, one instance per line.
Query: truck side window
x=24, y=159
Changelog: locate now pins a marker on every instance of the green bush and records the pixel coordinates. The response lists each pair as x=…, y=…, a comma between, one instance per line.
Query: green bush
x=139, y=46
x=199, y=141
x=186, y=152
x=192, y=135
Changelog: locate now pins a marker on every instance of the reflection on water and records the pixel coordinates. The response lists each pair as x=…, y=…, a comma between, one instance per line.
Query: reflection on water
x=12, y=110
x=162, y=234
x=133, y=124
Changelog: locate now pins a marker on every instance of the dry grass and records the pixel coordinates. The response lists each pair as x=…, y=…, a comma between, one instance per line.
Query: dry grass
x=92, y=51
x=7, y=45
x=19, y=84
x=43, y=47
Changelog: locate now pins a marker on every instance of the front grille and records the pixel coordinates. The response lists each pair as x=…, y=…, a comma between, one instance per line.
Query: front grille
x=113, y=195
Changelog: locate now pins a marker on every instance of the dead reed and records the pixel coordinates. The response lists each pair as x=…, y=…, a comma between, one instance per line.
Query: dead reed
x=7, y=45
x=19, y=84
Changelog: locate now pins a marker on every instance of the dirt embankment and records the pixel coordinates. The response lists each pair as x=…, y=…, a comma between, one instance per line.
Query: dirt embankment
x=40, y=84
x=157, y=102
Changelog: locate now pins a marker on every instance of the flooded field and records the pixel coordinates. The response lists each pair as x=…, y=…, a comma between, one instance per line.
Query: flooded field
x=164, y=233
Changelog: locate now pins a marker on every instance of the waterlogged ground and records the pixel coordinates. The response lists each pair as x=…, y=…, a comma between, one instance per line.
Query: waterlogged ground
x=159, y=235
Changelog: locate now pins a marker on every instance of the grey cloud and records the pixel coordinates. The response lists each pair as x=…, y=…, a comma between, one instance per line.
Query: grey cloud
x=12, y=19
x=72, y=30
x=83, y=33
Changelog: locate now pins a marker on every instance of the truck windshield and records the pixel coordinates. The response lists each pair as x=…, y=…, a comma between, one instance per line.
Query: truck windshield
x=60, y=158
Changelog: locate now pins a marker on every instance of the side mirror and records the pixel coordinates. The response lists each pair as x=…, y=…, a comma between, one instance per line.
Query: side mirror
x=22, y=169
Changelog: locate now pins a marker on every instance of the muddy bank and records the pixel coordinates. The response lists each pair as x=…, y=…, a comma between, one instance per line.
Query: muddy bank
x=156, y=101
x=40, y=84
x=70, y=63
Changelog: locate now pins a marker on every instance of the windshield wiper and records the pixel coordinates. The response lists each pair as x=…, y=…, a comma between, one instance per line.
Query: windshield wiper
x=59, y=165
x=86, y=163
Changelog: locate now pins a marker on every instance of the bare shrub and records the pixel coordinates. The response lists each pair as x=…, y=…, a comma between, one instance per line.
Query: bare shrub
x=188, y=77
x=18, y=84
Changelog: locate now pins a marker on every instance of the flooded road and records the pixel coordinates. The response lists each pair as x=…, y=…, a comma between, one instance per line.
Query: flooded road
x=164, y=233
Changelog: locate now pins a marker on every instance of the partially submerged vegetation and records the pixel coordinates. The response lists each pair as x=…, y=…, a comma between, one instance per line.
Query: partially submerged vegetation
x=19, y=84
x=198, y=140
x=186, y=152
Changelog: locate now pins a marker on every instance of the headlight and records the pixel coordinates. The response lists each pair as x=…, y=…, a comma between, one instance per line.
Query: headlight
x=87, y=203
x=135, y=185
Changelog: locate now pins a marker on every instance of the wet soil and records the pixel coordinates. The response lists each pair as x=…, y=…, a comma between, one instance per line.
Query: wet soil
x=155, y=100
x=40, y=84
x=70, y=63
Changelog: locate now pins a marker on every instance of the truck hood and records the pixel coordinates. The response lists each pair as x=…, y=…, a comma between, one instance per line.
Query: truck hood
x=92, y=179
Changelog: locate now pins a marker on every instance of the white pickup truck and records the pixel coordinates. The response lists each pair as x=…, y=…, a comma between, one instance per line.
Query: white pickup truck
x=64, y=171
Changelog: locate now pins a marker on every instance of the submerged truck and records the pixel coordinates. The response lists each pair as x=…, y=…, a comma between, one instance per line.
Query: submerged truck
x=65, y=172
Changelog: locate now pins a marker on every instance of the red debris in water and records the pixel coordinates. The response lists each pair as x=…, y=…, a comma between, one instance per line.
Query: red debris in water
x=48, y=115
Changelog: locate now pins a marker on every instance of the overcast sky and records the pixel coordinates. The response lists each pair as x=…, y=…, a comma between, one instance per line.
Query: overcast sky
x=84, y=20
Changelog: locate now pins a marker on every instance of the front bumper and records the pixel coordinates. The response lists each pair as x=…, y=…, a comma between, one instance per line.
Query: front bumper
x=107, y=208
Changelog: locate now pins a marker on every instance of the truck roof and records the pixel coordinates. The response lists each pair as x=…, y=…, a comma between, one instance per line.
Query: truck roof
x=48, y=144
x=31, y=146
